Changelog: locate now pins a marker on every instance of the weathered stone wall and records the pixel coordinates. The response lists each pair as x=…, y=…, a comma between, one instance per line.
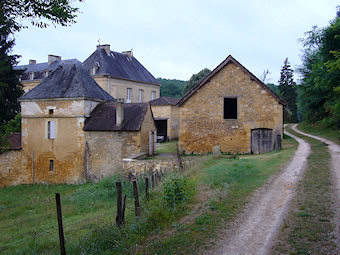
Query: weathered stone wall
x=66, y=150
x=145, y=166
x=28, y=85
x=148, y=125
x=171, y=113
x=202, y=125
x=107, y=149
x=11, y=169
x=118, y=88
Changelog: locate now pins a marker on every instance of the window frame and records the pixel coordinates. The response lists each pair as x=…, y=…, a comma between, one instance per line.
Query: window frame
x=128, y=95
x=224, y=107
x=141, y=95
x=51, y=129
x=51, y=165
x=153, y=95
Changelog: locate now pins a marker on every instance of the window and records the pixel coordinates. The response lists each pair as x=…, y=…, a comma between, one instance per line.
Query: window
x=45, y=74
x=230, y=108
x=153, y=95
x=31, y=76
x=93, y=70
x=141, y=96
x=128, y=96
x=51, y=129
x=51, y=165
x=50, y=111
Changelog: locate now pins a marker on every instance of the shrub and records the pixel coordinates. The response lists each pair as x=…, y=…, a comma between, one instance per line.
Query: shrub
x=177, y=190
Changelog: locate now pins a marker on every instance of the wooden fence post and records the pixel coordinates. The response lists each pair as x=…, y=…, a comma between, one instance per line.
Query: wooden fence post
x=60, y=225
x=119, y=218
x=135, y=194
x=153, y=181
x=147, y=188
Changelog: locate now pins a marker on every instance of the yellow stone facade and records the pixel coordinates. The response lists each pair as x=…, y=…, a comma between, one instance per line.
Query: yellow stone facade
x=202, y=123
x=171, y=113
x=66, y=150
x=117, y=88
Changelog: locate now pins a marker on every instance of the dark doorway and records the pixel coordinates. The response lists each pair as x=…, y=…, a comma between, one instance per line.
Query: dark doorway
x=162, y=129
x=261, y=140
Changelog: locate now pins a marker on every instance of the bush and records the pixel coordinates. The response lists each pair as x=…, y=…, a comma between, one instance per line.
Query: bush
x=177, y=190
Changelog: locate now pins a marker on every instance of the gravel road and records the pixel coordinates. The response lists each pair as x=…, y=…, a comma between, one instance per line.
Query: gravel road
x=253, y=231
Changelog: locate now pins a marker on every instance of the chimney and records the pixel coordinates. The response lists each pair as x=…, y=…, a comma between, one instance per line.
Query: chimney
x=32, y=62
x=53, y=58
x=129, y=53
x=119, y=111
x=105, y=47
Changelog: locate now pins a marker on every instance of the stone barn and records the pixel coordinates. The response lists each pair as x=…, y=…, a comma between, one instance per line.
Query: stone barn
x=230, y=110
x=165, y=112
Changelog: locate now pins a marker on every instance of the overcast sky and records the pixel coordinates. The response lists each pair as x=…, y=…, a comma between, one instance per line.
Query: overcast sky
x=174, y=39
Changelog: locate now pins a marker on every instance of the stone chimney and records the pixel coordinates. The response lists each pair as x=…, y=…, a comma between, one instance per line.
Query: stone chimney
x=53, y=58
x=32, y=62
x=129, y=53
x=105, y=47
x=119, y=111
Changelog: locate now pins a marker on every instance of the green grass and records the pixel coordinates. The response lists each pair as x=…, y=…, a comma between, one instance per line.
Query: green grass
x=319, y=130
x=28, y=218
x=168, y=147
x=222, y=187
x=308, y=227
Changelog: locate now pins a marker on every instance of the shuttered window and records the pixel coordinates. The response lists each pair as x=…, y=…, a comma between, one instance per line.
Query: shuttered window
x=51, y=134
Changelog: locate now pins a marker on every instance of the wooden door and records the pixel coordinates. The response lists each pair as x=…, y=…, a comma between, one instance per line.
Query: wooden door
x=261, y=140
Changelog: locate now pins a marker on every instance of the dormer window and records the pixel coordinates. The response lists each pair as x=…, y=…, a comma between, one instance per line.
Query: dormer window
x=45, y=74
x=94, y=69
x=31, y=76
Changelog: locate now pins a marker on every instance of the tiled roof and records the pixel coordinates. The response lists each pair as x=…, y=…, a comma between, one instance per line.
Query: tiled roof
x=103, y=117
x=68, y=80
x=165, y=101
x=119, y=65
x=228, y=60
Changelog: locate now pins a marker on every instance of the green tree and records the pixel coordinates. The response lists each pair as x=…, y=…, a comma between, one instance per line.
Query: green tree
x=171, y=88
x=12, y=13
x=319, y=95
x=195, y=79
x=287, y=88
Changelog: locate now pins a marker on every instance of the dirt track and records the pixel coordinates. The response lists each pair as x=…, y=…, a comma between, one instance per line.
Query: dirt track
x=334, y=150
x=253, y=231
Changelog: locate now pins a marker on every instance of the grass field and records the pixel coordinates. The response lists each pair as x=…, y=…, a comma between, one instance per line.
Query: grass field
x=168, y=147
x=319, y=130
x=222, y=186
x=308, y=227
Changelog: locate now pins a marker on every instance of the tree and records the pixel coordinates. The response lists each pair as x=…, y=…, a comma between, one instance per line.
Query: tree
x=288, y=91
x=195, y=79
x=265, y=75
x=12, y=13
x=171, y=88
x=319, y=93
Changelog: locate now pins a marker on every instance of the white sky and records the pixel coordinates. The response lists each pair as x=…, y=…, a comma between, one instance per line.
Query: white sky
x=174, y=39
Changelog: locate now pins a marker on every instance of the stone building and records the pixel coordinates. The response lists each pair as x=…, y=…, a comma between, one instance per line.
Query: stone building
x=56, y=146
x=230, y=110
x=119, y=74
x=165, y=112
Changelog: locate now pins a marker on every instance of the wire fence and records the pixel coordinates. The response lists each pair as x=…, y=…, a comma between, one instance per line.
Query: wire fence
x=18, y=232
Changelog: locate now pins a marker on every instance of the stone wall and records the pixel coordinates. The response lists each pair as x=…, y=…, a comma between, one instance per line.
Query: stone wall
x=148, y=125
x=107, y=149
x=118, y=88
x=171, y=113
x=202, y=123
x=11, y=170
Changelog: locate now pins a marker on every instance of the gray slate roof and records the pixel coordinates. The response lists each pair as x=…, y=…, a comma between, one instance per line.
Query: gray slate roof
x=103, y=117
x=165, y=101
x=68, y=80
x=119, y=65
x=39, y=69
